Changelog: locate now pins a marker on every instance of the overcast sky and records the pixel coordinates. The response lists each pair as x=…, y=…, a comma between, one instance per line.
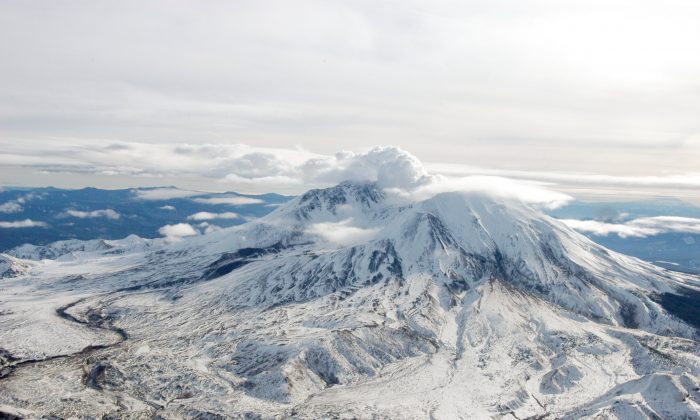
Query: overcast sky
x=581, y=94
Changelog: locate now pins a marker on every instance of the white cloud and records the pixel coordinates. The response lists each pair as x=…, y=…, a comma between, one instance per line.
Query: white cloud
x=232, y=163
x=641, y=227
x=10, y=207
x=232, y=200
x=106, y=213
x=391, y=167
x=676, y=181
x=16, y=205
x=528, y=192
x=295, y=170
x=604, y=229
x=26, y=223
x=668, y=224
x=207, y=228
x=167, y=193
x=167, y=207
x=204, y=215
x=342, y=233
x=177, y=231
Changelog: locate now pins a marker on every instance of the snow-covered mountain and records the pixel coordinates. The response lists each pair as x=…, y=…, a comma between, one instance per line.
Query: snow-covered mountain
x=352, y=302
x=13, y=267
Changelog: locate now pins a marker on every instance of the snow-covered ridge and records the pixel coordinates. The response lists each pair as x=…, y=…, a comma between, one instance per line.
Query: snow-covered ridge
x=13, y=267
x=323, y=203
x=348, y=301
x=69, y=248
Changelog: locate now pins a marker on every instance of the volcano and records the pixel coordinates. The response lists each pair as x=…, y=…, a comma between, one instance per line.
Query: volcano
x=351, y=302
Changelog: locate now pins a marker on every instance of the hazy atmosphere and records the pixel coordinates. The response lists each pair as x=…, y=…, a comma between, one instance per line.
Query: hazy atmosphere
x=589, y=95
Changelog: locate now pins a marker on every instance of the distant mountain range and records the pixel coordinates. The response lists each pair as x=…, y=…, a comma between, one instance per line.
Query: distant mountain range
x=40, y=216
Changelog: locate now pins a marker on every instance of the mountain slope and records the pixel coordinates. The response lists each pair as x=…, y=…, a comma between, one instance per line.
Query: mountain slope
x=350, y=302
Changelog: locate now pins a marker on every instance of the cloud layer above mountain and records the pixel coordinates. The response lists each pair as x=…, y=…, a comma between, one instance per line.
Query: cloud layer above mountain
x=235, y=164
x=268, y=169
x=212, y=167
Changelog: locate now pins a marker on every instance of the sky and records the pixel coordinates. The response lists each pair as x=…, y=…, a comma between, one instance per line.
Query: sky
x=591, y=98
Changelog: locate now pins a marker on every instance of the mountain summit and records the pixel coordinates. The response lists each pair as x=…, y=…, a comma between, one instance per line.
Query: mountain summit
x=352, y=302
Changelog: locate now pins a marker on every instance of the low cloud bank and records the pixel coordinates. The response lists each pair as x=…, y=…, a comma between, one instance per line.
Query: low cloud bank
x=205, y=215
x=529, y=192
x=166, y=193
x=642, y=227
x=253, y=168
x=206, y=228
x=673, y=181
x=11, y=207
x=268, y=169
x=232, y=200
x=392, y=168
x=26, y=223
x=17, y=205
x=342, y=233
x=106, y=213
x=229, y=163
x=177, y=231
x=173, y=233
